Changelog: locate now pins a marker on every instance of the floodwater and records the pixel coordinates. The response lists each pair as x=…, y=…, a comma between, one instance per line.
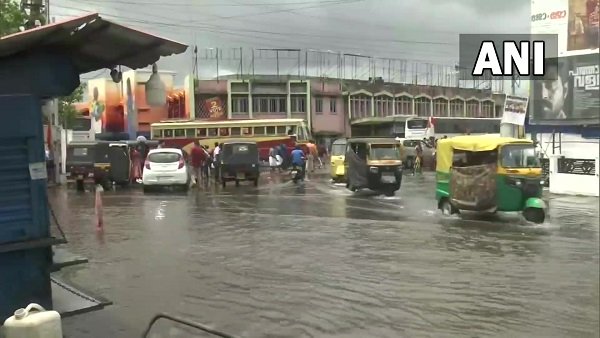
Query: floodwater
x=315, y=260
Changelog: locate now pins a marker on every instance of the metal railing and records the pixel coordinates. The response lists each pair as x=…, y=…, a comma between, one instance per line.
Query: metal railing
x=183, y=322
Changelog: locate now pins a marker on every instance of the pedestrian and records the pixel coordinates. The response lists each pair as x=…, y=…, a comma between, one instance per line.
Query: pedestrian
x=312, y=155
x=137, y=163
x=98, y=208
x=198, y=158
x=273, y=159
x=418, y=158
x=206, y=165
x=283, y=152
x=216, y=160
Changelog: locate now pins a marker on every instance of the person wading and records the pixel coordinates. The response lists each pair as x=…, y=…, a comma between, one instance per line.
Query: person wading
x=198, y=158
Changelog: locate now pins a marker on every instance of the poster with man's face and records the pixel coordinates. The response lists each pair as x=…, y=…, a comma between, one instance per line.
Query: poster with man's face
x=569, y=94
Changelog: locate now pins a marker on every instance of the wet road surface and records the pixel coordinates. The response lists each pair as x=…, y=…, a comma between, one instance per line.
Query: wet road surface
x=315, y=260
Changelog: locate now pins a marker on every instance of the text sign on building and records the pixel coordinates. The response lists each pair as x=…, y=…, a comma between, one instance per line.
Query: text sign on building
x=505, y=56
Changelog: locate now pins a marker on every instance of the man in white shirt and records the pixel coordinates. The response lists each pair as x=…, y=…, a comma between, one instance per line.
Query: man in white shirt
x=216, y=161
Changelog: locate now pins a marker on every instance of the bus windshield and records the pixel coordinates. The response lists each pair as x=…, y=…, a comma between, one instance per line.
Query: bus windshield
x=338, y=150
x=82, y=124
x=384, y=152
x=520, y=156
x=416, y=124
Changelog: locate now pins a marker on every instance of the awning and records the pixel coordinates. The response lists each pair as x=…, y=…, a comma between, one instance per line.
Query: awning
x=93, y=43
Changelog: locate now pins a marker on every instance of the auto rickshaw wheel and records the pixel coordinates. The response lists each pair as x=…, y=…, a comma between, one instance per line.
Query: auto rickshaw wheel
x=447, y=208
x=534, y=215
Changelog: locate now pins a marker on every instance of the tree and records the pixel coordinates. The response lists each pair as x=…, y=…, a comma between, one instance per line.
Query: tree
x=11, y=17
x=66, y=107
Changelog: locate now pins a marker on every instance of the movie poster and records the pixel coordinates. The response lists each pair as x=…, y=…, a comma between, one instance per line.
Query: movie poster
x=515, y=109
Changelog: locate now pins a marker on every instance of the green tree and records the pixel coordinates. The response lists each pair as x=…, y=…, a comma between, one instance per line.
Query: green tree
x=66, y=107
x=11, y=17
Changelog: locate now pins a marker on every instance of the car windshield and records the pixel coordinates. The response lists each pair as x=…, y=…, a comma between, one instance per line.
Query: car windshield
x=164, y=157
x=384, y=152
x=338, y=149
x=520, y=156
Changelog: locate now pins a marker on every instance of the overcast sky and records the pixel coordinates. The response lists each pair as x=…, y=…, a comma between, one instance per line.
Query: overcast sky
x=425, y=30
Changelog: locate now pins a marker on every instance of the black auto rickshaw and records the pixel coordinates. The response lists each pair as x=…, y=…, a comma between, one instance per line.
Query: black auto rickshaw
x=88, y=162
x=239, y=162
x=375, y=164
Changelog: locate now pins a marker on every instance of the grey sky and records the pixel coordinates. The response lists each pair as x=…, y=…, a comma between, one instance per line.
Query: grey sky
x=425, y=30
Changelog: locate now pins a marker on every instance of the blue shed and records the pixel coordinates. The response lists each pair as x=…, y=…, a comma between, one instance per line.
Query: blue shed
x=37, y=64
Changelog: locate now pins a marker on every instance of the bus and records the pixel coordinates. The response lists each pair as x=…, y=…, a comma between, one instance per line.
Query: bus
x=454, y=126
x=266, y=132
x=405, y=127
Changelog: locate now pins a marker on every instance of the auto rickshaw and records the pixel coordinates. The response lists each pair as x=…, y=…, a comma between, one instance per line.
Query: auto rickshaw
x=239, y=162
x=338, y=153
x=375, y=164
x=88, y=162
x=488, y=173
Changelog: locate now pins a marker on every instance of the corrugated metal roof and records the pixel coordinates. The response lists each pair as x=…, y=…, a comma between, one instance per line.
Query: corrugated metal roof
x=93, y=43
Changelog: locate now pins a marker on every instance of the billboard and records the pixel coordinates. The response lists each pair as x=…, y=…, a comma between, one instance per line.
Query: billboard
x=569, y=95
x=515, y=108
x=576, y=22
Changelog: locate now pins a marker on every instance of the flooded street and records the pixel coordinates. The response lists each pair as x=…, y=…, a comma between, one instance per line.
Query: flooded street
x=315, y=260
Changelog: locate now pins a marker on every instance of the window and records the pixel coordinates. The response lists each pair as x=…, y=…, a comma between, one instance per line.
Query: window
x=190, y=132
x=212, y=132
x=235, y=131
x=298, y=104
x=338, y=149
x=157, y=132
x=82, y=124
x=404, y=105
x=360, y=106
x=423, y=106
x=440, y=107
x=223, y=131
x=269, y=104
x=164, y=157
x=246, y=131
x=201, y=132
x=270, y=130
x=332, y=105
x=259, y=130
x=281, y=130
x=518, y=156
x=472, y=108
x=487, y=109
x=383, y=106
x=360, y=149
x=239, y=105
x=384, y=152
x=319, y=105
x=179, y=132
x=457, y=108
x=168, y=133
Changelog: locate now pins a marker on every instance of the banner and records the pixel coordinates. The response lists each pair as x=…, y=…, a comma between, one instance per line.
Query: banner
x=515, y=109
x=215, y=108
x=571, y=95
x=576, y=22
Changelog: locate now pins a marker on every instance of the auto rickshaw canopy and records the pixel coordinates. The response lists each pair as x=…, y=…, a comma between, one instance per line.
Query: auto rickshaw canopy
x=473, y=143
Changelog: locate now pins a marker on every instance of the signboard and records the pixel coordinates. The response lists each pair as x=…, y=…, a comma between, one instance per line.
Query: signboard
x=576, y=22
x=515, y=109
x=215, y=108
x=571, y=95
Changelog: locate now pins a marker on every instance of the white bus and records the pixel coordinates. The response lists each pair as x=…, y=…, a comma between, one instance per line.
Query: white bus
x=405, y=127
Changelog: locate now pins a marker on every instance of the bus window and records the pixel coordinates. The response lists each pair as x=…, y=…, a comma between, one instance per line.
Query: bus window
x=270, y=130
x=213, y=132
x=201, y=132
x=189, y=132
x=235, y=131
x=281, y=130
x=247, y=131
x=291, y=130
x=156, y=133
x=82, y=124
x=179, y=132
x=168, y=133
x=223, y=131
x=259, y=130
x=417, y=124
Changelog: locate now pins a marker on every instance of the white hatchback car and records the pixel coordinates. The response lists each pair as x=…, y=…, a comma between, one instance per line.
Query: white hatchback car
x=165, y=167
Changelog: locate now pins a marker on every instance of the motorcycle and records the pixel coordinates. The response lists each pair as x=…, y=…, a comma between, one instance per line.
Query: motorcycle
x=297, y=174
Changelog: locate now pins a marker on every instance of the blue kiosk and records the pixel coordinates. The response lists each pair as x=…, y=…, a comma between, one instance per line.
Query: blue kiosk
x=35, y=65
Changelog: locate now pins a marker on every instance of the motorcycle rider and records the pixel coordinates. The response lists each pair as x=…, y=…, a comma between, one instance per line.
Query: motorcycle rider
x=298, y=159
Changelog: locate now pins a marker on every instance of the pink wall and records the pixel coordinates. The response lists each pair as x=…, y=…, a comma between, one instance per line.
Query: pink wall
x=211, y=87
x=327, y=121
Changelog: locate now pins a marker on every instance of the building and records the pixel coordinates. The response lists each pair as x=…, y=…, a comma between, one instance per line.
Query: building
x=332, y=106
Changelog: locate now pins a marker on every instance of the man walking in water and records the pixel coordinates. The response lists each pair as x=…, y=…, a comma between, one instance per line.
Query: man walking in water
x=198, y=158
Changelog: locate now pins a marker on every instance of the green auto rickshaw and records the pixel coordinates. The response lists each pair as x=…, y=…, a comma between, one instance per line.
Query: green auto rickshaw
x=488, y=173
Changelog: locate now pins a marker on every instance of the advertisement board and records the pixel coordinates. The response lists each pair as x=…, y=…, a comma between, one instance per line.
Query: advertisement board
x=576, y=22
x=515, y=109
x=572, y=96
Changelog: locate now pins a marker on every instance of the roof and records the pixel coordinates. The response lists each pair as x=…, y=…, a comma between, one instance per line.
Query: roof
x=387, y=119
x=378, y=140
x=238, y=141
x=199, y=123
x=477, y=142
x=93, y=43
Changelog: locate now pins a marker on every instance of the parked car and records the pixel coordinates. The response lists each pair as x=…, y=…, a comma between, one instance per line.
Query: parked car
x=166, y=167
x=410, y=153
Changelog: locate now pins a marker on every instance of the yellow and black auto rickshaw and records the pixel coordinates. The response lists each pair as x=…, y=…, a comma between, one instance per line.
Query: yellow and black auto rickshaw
x=488, y=173
x=375, y=164
x=239, y=162
x=338, y=153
